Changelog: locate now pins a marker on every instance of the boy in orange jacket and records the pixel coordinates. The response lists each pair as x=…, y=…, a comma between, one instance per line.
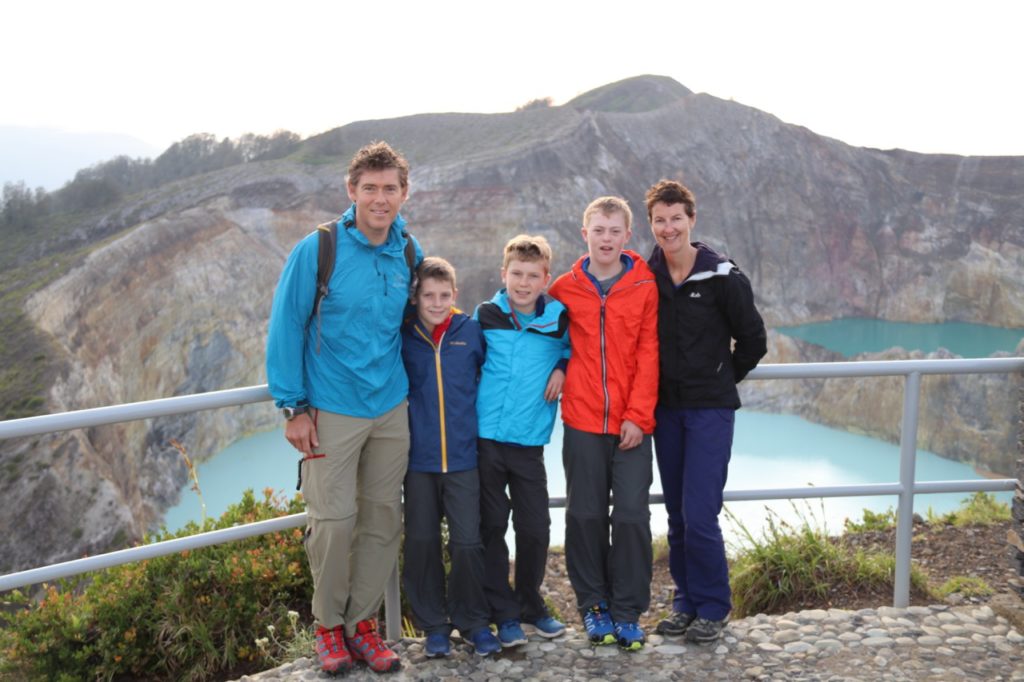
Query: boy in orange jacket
x=608, y=400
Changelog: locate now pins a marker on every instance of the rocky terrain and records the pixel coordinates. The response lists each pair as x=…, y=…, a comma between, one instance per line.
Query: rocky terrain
x=173, y=288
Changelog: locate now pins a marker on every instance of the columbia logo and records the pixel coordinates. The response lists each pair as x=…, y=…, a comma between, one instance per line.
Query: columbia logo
x=457, y=343
x=694, y=294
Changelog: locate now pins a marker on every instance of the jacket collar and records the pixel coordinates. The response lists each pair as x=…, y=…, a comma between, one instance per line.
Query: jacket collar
x=396, y=234
x=500, y=299
x=709, y=263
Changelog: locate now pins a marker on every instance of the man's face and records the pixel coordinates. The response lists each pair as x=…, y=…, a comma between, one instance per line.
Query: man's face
x=606, y=236
x=671, y=226
x=434, y=300
x=524, y=282
x=378, y=196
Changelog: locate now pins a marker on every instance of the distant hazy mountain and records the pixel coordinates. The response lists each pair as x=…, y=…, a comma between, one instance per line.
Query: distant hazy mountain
x=47, y=157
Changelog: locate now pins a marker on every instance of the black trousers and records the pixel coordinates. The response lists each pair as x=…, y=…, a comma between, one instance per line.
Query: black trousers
x=438, y=604
x=520, y=471
x=615, y=567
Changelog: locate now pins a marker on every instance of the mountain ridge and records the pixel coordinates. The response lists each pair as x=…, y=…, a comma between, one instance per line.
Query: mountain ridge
x=169, y=290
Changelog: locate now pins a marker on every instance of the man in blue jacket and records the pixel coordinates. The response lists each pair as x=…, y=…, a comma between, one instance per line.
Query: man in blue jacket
x=341, y=384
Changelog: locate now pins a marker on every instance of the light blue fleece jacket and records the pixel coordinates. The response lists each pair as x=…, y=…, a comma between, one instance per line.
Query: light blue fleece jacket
x=358, y=371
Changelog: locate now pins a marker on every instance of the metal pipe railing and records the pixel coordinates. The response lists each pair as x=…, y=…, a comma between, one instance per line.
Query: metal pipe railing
x=905, y=489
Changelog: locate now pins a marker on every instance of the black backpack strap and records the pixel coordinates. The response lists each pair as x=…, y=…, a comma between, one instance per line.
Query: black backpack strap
x=326, y=251
x=410, y=260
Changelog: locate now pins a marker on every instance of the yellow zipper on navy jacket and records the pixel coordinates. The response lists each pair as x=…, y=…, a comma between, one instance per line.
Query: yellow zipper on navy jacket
x=440, y=395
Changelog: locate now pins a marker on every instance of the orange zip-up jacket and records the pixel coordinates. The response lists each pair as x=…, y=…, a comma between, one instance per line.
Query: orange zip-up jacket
x=613, y=370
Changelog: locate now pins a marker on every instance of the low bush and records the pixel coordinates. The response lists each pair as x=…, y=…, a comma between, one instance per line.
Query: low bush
x=194, y=615
x=791, y=567
x=978, y=509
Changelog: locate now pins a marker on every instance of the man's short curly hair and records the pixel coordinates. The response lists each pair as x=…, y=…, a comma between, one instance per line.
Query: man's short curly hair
x=378, y=156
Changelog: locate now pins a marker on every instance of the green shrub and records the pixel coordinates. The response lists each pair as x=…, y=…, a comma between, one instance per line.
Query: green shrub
x=978, y=509
x=194, y=615
x=968, y=586
x=871, y=521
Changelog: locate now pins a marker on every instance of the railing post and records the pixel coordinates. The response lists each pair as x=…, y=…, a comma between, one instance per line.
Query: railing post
x=393, y=608
x=905, y=510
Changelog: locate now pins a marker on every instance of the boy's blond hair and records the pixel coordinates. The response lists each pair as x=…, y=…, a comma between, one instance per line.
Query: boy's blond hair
x=608, y=206
x=529, y=249
x=433, y=267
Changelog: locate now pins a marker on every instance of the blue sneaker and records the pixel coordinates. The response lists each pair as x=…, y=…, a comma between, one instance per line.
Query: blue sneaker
x=484, y=642
x=437, y=645
x=548, y=626
x=510, y=633
x=598, y=623
x=630, y=636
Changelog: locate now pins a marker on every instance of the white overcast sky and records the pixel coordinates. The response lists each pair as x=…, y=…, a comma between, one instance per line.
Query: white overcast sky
x=933, y=76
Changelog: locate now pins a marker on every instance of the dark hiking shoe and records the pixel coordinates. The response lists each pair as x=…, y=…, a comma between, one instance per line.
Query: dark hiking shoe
x=704, y=631
x=675, y=624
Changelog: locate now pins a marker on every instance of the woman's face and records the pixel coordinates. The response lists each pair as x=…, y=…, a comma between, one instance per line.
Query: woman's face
x=671, y=226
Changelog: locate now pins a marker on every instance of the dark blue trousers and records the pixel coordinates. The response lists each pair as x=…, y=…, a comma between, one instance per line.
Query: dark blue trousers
x=693, y=447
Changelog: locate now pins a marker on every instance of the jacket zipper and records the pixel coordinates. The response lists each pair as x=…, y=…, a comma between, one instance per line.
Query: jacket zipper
x=440, y=396
x=604, y=369
x=604, y=356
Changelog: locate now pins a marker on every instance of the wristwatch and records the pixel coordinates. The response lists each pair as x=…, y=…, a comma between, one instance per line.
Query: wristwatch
x=291, y=413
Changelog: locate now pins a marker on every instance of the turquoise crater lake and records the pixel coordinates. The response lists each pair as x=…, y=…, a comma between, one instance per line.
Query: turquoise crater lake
x=770, y=450
x=852, y=335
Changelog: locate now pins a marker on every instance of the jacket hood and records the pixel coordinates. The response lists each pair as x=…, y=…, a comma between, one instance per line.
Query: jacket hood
x=709, y=263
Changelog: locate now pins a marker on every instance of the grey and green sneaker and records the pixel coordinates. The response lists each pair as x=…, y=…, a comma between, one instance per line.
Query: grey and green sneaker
x=704, y=631
x=675, y=624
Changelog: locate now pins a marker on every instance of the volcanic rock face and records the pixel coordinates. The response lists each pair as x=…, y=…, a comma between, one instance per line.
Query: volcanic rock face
x=179, y=303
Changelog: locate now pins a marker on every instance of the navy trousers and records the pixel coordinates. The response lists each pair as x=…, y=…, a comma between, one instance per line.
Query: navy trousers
x=693, y=448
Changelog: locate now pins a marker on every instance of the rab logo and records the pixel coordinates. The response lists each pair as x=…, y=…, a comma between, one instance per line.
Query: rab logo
x=694, y=294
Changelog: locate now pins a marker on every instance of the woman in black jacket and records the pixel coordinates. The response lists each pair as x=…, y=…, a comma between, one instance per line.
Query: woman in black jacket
x=704, y=304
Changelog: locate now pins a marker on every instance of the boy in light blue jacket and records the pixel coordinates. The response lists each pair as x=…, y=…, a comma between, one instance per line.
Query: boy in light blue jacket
x=527, y=346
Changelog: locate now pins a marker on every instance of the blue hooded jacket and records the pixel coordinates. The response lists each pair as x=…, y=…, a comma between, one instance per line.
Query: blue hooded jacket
x=442, y=394
x=510, y=403
x=358, y=371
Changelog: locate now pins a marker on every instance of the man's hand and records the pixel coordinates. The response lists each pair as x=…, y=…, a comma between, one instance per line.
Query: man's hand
x=301, y=433
x=630, y=435
x=554, y=387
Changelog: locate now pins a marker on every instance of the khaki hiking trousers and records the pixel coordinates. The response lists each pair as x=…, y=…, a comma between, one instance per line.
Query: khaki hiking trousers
x=353, y=499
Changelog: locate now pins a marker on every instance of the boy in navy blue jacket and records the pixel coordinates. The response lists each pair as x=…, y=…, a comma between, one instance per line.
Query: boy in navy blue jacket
x=443, y=351
x=527, y=342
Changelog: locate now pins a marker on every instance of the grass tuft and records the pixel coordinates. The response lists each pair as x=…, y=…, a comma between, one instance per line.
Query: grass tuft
x=791, y=566
x=979, y=509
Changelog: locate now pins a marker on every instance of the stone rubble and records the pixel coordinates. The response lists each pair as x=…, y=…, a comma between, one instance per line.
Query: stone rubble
x=936, y=642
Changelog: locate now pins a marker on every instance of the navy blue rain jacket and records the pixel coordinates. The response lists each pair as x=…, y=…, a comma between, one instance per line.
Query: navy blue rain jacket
x=442, y=413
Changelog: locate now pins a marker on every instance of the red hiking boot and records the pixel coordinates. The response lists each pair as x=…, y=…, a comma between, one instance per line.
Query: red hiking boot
x=366, y=645
x=330, y=647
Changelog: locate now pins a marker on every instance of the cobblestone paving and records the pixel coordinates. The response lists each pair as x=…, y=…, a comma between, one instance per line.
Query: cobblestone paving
x=916, y=643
